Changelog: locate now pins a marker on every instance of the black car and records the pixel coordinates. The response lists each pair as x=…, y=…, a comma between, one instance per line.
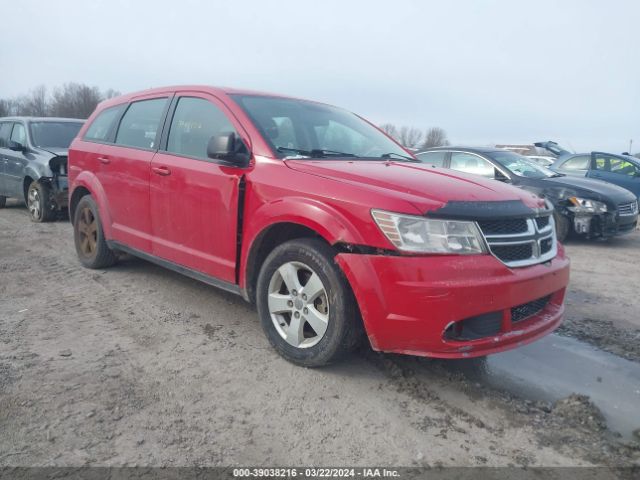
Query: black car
x=588, y=207
x=33, y=163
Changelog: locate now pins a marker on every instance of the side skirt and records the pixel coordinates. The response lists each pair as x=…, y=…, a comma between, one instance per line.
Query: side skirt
x=209, y=280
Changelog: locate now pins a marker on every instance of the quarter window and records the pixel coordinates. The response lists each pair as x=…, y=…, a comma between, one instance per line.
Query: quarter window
x=139, y=126
x=101, y=126
x=432, y=158
x=469, y=163
x=194, y=122
x=19, y=134
x=580, y=162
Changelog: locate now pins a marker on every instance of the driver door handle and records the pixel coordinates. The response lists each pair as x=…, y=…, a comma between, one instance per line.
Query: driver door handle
x=104, y=160
x=164, y=171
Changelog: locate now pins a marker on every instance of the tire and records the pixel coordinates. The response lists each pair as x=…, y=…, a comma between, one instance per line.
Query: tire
x=3, y=201
x=562, y=226
x=91, y=246
x=308, y=266
x=40, y=203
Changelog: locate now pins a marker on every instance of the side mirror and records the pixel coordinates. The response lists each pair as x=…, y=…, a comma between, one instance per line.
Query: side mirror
x=229, y=148
x=16, y=146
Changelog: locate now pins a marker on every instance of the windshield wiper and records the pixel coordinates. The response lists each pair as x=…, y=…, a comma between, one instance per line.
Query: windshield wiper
x=316, y=153
x=332, y=153
x=403, y=157
x=294, y=150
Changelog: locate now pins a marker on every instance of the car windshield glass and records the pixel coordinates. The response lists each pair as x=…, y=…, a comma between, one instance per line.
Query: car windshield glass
x=521, y=166
x=303, y=129
x=53, y=134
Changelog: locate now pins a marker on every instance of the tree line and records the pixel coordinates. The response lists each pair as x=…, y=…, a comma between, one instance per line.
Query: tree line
x=411, y=137
x=71, y=100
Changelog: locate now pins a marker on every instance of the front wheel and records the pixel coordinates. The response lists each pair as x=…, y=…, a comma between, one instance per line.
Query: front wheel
x=40, y=204
x=305, y=304
x=3, y=201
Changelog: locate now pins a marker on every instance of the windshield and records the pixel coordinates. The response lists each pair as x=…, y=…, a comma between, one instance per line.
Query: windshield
x=521, y=166
x=53, y=134
x=303, y=129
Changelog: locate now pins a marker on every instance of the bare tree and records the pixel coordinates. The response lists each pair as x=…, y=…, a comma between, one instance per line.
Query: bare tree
x=410, y=137
x=435, y=137
x=110, y=93
x=75, y=100
x=34, y=104
x=7, y=107
x=390, y=129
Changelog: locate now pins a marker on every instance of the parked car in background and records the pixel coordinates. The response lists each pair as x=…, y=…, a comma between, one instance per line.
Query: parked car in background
x=33, y=163
x=620, y=169
x=318, y=217
x=582, y=205
x=545, y=161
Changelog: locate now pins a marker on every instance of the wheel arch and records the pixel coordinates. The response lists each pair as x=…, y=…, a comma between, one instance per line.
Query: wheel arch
x=284, y=220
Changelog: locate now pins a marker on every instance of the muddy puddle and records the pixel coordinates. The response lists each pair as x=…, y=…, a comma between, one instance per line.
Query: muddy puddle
x=555, y=367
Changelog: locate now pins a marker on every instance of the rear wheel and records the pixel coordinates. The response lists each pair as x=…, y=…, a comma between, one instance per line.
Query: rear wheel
x=562, y=226
x=3, y=201
x=41, y=206
x=91, y=245
x=305, y=304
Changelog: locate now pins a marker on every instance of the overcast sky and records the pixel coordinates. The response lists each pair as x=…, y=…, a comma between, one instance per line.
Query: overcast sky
x=485, y=71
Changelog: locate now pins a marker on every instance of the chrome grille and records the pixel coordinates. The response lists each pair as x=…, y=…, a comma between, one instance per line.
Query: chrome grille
x=518, y=246
x=628, y=209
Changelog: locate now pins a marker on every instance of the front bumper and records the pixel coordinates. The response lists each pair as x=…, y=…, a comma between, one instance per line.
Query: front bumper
x=408, y=303
x=604, y=225
x=60, y=191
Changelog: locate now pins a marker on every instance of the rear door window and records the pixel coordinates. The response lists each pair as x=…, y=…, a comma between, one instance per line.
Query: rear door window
x=609, y=163
x=139, y=126
x=433, y=158
x=101, y=127
x=194, y=122
x=579, y=162
x=5, y=131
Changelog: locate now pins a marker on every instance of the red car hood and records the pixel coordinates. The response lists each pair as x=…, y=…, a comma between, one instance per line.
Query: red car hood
x=424, y=186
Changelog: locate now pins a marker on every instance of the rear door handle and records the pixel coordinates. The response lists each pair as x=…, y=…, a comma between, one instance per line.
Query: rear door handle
x=104, y=160
x=164, y=171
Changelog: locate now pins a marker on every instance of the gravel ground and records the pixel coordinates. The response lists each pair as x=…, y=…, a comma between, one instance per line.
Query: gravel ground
x=603, y=301
x=136, y=365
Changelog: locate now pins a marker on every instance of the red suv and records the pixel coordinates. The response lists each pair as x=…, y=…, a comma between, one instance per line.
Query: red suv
x=318, y=217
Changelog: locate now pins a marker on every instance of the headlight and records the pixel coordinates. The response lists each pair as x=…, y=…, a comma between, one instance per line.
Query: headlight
x=583, y=205
x=425, y=235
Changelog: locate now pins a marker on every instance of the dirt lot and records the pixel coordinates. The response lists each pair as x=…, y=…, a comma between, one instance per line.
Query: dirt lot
x=137, y=365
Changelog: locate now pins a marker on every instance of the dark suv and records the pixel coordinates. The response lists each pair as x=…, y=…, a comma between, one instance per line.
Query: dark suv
x=33, y=163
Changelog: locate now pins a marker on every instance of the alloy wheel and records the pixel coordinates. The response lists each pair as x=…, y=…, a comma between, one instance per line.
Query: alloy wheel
x=298, y=304
x=88, y=231
x=35, y=208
